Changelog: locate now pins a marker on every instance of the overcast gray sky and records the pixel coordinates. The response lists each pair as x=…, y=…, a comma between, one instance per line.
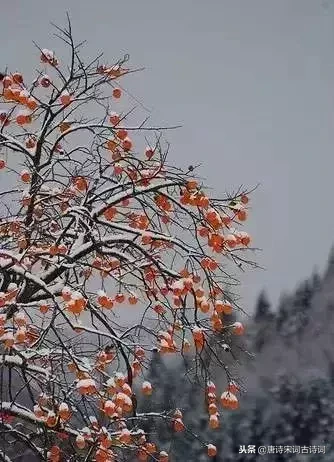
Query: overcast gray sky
x=251, y=81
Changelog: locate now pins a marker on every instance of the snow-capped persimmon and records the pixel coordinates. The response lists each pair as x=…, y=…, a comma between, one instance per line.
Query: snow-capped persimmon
x=198, y=336
x=226, y=219
x=219, y=306
x=114, y=118
x=110, y=213
x=242, y=215
x=32, y=103
x=45, y=55
x=125, y=436
x=20, y=335
x=122, y=134
x=229, y=400
x=146, y=239
x=53, y=250
x=39, y=413
x=238, y=328
x=120, y=298
x=45, y=81
x=86, y=387
x=23, y=96
x=191, y=185
x=178, y=425
x=80, y=442
x=178, y=414
x=118, y=169
x=133, y=299
x=211, y=398
x=214, y=421
x=223, y=306
x=117, y=93
x=43, y=308
x=127, y=144
x=139, y=352
x=109, y=408
x=7, y=81
x=75, y=307
x=62, y=249
x=233, y=387
x=203, y=231
x=20, y=319
x=51, y=420
x=23, y=118
x=30, y=142
x=204, y=306
x=2, y=164
x=112, y=145
x=65, y=98
x=244, y=199
x=16, y=93
x=108, y=305
x=163, y=456
x=146, y=388
x=22, y=243
x=165, y=219
x=212, y=450
x=199, y=292
x=66, y=294
x=64, y=412
x=159, y=308
x=102, y=298
x=245, y=239
x=25, y=176
x=210, y=387
x=212, y=408
x=231, y=241
x=213, y=265
x=8, y=94
x=203, y=202
x=64, y=126
x=80, y=183
x=120, y=379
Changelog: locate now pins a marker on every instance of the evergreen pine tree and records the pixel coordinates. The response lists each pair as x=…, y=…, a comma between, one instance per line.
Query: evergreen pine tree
x=282, y=314
x=330, y=264
x=263, y=318
x=262, y=309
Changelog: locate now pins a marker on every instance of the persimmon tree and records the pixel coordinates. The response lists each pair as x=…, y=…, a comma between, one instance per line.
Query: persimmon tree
x=94, y=220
